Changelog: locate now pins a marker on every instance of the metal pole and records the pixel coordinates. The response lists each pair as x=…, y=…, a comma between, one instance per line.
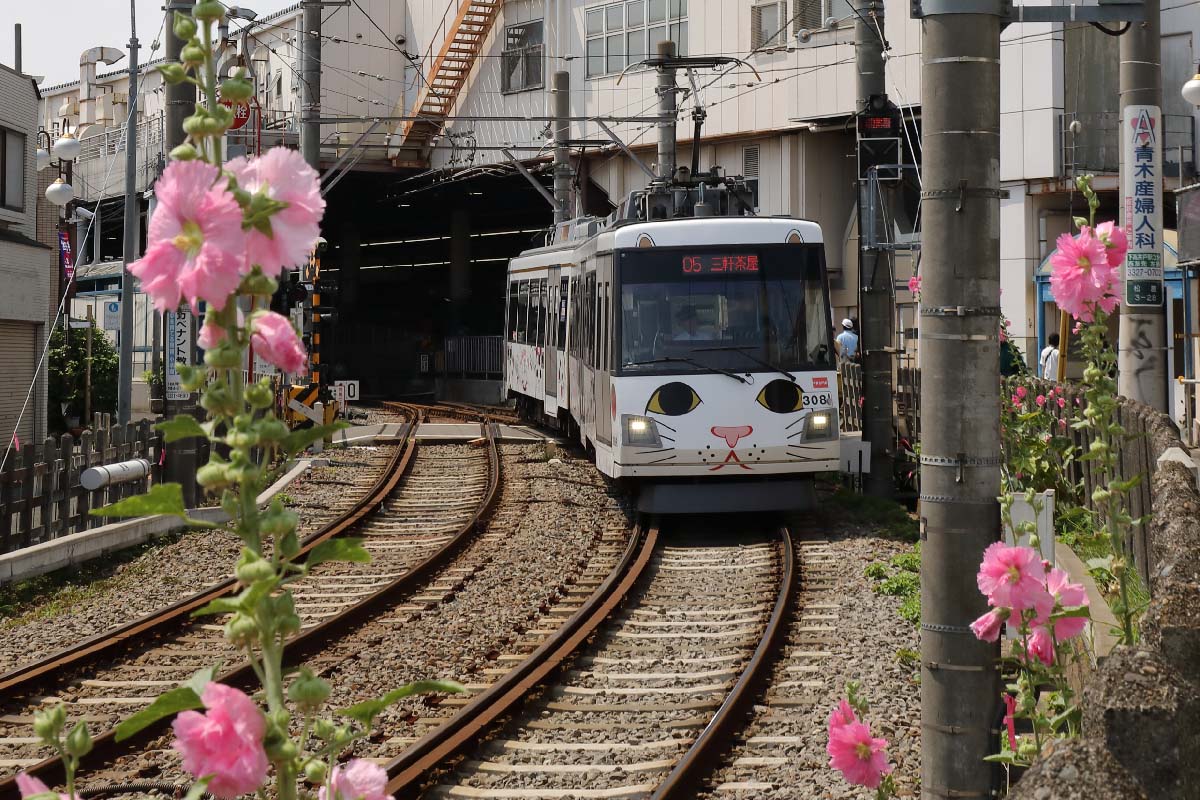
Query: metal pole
x=129, y=251
x=876, y=292
x=17, y=47
x=310, y=84
x=562, y=155
x=666, y=114
x=87, y=375
x=960, y=397
x=1142, y=350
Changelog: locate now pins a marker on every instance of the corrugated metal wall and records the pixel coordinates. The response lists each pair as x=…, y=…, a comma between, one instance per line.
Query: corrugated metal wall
x=18, y=359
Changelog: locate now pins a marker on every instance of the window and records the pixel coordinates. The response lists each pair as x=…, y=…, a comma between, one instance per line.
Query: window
x=811, y=14
x=620, y=34
x=522, y=312
x=768, y=25
x=750, y=166
x=12, y=162
x=522, y=58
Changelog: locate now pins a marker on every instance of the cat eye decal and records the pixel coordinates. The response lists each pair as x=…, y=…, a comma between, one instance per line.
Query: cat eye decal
x=780, y=396
x=673, y=399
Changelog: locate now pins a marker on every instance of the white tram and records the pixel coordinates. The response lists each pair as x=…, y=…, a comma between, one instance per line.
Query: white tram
x=693, y=355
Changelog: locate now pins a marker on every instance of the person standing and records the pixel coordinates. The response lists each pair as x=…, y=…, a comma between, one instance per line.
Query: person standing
x=1048, y=360
x=847, y=342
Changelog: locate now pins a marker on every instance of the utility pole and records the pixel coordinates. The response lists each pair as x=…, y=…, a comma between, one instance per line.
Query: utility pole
x=666, y=113
x=87, y=374
x=562, y=155
x=1142, y=350
x=876, y=289
x=310, y=84
x=180, y=104
x=960, y=395
x=129, y=252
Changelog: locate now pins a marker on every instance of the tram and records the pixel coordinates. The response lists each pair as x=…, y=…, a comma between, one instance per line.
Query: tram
x=693, y=355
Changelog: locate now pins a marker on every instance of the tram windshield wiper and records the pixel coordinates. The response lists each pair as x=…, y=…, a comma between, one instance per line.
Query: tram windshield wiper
x=684, y=360
x=745, y=350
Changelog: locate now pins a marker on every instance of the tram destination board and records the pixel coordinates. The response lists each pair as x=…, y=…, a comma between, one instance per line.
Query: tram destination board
x=718, y=263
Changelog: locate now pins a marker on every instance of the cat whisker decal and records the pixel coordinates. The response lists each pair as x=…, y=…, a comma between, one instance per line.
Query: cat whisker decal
x=652, y=452
x=792, y=423
x=661, y=460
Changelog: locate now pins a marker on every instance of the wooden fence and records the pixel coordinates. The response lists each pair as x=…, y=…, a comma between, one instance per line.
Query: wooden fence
x=40, y=494
x=907, y=393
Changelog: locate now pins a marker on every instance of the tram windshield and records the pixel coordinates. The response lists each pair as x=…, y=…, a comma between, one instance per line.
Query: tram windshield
x=746, y=309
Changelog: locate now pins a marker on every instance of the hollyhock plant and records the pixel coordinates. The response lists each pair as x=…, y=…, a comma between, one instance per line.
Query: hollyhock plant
x=285, y=238
x=1082, y=280
x=1115, y=243
x=988, y=626
x=853, y=751
x=1013, y=578
x=914, y=285
x=225, y=742
x=193, y=241
x=30, y=786
x=220, y=235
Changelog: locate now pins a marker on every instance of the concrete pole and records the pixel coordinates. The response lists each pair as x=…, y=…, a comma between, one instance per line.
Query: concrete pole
x=87, y=375
x=666, y=112
x=310, y=84
x=129, y=251
x=960, y=396
x=876, y=293
x=1142, y=350
x=562, y=155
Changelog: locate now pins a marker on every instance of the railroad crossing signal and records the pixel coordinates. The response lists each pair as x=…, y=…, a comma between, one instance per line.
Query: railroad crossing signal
x=879, y=139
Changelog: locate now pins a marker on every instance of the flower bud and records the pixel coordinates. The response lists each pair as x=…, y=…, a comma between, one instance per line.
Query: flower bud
x=272, y=431
x=281, y=749
x=219, y=401
x=192, y=55
x=194, y=125
x=242, y=439
x=213, y=476
x=236, y=90
x=308, y=691
x=258, y=284
x=251, y=568
x=324, y=730
x=1100, y=495
x=79, y=741
x=184, y=152
x=173, y=73
x=208, y=10
x=184, y=26
x=191, y=378
x=315, y=772
x=48, y=724
x=241, y=630
x=259, y=395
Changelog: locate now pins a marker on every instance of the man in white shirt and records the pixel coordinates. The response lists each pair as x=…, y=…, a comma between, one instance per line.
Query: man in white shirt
x=1048, y=360
x=846, y=341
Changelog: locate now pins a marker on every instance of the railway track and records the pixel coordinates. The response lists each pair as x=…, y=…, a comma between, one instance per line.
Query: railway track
x=414, y=520
x=682, y=632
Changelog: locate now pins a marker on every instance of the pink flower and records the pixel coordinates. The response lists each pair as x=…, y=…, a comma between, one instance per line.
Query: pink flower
x=1040, y=400
x=1013, y=577
x=843, y=714
x=275, y=340
x=195, y=239
x=1082, y=278
x=358, y=780
x=1061, y=402
x=29, y=786
x=1003, y=334
x=987, y=627
x=1016, y=401
x=1041, y=645
x=210, y=336
x=1010, y=706
x=1021, y=392
x=285, y=177
x=860, y=758
x=1062, y=423
x=914, y=284
x=1078, y=327
x=226, y=742
x=1114, y=241
x=1067, y=595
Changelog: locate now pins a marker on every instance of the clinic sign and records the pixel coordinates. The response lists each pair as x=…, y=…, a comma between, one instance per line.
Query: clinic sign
x=1141, y=189
x=179, y=342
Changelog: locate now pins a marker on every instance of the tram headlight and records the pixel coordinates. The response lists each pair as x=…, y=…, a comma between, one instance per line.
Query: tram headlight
x=640, y=431
x=821, y=424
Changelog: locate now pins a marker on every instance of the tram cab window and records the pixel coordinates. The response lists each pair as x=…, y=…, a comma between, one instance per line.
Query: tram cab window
x=514, y=315
x=522, y=313
x=724, y=307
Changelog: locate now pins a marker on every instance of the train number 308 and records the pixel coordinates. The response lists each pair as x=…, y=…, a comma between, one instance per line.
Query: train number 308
x=820, y=400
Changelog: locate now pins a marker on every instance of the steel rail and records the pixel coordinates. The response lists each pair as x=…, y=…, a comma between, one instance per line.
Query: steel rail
x=106, y=749
x=703, y=755
x=408, y=771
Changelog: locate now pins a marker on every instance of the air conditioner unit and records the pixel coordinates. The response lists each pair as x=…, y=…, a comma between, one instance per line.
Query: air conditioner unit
x=119, y=98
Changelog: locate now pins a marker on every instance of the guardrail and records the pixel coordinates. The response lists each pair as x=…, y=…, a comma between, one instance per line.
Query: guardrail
x=41, y=495
x=474, y=356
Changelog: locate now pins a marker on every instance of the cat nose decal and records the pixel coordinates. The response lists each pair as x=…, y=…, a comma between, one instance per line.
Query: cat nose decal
x=731, y=435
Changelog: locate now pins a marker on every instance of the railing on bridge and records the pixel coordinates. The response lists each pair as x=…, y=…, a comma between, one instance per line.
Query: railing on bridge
x=474, y=357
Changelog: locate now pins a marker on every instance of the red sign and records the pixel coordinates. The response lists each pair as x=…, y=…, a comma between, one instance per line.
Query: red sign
x=241, y=114
x=820, y=383
x=719, y=264
x=64, y=248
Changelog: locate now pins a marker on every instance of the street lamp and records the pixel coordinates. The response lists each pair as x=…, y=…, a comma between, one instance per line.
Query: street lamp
x=1191, y=90
x=65, y=150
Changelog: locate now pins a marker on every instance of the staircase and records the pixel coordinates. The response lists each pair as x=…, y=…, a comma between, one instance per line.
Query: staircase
x=446, y=72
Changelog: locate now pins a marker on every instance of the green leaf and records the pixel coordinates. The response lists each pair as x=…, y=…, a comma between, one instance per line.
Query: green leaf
x=340, y=549
x=199, y=787
x=165, y=498
x=1003, y=758
x=182, y=427
x=165, y=705
x=298, y=440
x=367, y=710
x=222, y=605
x=202, y=677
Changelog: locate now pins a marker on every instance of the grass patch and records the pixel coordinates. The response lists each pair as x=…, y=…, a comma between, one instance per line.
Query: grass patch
x=908, y=657
x=1075, y=527
x=47, y=596
x=900, y=577
x=892, y=519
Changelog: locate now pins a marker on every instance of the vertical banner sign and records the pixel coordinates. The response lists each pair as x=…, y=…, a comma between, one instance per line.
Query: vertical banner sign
x=179, y=340
x=64, y=249
x=1141, y=137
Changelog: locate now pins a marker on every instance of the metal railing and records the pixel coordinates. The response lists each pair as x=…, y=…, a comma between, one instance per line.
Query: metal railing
x=1097, y=145
x=474, y=356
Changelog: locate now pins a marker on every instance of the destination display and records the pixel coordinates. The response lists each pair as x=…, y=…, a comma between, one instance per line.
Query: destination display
x=718, y=263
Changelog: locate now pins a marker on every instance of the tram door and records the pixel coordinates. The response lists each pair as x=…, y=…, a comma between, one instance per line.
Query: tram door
x=553, y=344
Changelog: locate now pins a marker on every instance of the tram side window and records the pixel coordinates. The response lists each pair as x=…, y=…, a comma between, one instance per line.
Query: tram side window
x=523, y=312
x=562, y=313
x=514, y=315
x=541, y=311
